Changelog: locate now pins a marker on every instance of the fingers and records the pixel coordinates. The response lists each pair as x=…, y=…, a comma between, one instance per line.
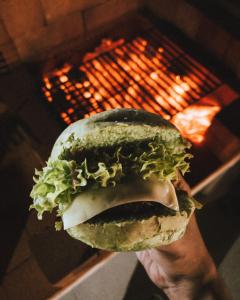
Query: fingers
x=142, y=255
x=182, y=184
x=144, y=258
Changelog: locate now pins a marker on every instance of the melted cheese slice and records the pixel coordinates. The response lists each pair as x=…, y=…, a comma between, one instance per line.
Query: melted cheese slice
x=91, y=203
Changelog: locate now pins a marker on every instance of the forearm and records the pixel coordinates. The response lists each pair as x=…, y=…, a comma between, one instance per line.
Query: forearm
x=184, y=269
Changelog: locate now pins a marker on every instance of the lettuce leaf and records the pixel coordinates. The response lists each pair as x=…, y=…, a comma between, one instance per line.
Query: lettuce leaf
x=61, y=180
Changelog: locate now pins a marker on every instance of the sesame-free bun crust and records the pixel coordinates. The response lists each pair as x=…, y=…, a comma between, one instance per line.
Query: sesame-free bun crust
x=116, y=127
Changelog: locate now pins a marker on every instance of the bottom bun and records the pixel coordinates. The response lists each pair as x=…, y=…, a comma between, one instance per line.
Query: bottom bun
x=134, y=234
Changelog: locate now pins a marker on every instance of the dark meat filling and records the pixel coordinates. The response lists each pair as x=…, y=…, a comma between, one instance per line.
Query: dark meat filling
x=141, y=210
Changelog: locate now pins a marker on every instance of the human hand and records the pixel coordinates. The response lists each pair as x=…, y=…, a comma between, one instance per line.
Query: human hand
x=184, y=269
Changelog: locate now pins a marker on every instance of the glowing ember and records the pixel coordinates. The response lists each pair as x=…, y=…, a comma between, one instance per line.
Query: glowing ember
x=87, y=95
x=97, y=96
x=63, y=78
x=70, y=110
x=194, y=121
x=86, y=83
x=48, y=85
x=78, y=85
x=154, y=75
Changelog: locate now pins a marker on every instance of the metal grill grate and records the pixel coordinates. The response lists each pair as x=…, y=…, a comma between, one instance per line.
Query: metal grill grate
x=149, y=72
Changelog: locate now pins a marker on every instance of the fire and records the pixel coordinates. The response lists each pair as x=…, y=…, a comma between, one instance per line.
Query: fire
x=181, y=88
x=194, y=121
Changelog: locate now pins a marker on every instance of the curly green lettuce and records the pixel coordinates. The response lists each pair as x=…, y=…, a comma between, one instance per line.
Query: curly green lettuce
x=61, y=180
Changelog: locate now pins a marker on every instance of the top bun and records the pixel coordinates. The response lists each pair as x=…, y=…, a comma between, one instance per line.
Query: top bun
x=114, y=127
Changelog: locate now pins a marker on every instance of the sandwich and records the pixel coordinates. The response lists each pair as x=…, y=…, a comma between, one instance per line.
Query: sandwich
x=113, y=181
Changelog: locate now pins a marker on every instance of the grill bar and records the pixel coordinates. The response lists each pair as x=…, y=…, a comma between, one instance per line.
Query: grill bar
x=164, y=65
x=196, y=79
x=147, y=82
x=143, y=88
x=166, y=80
x=113, y=72
x=148, y=72
x=187, y=61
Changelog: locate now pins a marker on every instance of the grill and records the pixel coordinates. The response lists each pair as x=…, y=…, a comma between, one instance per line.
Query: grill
x=149, y=71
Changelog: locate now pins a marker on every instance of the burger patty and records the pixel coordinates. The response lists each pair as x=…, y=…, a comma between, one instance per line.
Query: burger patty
x=141, y=210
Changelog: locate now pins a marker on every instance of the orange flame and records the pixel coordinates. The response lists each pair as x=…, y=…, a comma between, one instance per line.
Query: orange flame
x=194, y=121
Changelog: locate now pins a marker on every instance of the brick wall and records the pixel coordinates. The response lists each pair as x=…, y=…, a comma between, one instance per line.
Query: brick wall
x=7, y=47
x=31, y=29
